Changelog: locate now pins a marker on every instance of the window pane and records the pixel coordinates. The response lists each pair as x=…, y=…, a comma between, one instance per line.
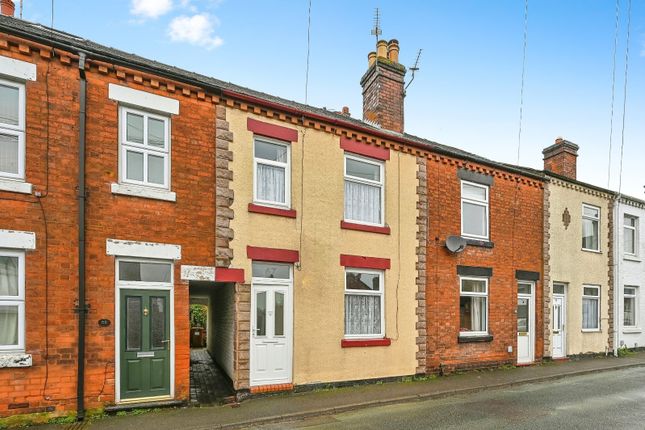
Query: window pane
x=362, y=314
x=260, y=313
x=629, y=240
x=630, y=311
x=9, y=105
x=588, y=291
x=474, y=219
x=134, y=130
x=522, y=315
x=363, y=170
x=134, y=166
x=271, y=183
x=630, y=221
x=133, y=323
x=270, y=151
x=558, y=289
x=472, y=192
x=156, y=167
x=156, y=132
x=590, y=234
x=278, y=311
x=362, y=202
x=472, y=314
x=524, y=288
x=144, y=272
x=157, y=322
x=9, y=276
x=473, y=286
x=271, y=270
x=629, y=290
x=589, y=313
x=9, y=153
x=362, y=281
x=591, y=212
x=8, y=325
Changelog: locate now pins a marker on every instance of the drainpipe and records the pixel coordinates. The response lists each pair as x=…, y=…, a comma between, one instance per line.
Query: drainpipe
x=617, y=283
x=81, y=307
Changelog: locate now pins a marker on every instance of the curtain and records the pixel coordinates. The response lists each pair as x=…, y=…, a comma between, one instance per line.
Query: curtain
x=9, y=105
x=589, y=313
x=589, y=234
x=629, y=317
x=362, y=314
x=8, y=276
x=9, y=153
x=271, y=183
x=478, y=314
x=362, y=202
x=8, y=325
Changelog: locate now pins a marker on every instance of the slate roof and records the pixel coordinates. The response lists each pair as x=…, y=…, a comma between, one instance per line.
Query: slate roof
x=72, y=43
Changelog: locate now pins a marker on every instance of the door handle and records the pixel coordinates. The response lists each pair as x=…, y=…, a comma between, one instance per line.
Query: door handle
x=165, y=341
x=269, y=341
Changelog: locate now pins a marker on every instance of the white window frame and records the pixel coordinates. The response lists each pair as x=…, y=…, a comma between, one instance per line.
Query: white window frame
x=633, y=296
x=287, y=172
x=482, y=203
x=474, y=294
x=634, y=231
x=596, y=219
x=18, y=301
x=16, y=130
x=597, y=298
x=380, y=293
x=144, y=149
x=380, y=184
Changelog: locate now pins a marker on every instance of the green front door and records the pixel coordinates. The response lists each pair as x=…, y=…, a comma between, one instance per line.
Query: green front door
x=145, y=343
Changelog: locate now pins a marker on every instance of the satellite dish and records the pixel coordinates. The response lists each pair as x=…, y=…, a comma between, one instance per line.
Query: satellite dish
x=455, y=244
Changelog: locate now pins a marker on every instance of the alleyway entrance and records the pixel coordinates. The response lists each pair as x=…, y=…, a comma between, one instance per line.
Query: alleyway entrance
x=208, y=384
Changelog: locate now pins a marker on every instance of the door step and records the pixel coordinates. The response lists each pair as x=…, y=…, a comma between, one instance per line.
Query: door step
x=144, y=405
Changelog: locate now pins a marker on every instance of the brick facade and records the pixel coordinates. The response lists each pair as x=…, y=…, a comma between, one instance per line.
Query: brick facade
x=516, y=236
x=383, y=94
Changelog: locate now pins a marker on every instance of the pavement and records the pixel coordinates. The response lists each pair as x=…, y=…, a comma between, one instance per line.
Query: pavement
x=298, y=406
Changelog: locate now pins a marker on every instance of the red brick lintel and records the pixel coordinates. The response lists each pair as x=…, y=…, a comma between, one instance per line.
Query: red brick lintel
x=275, y=255
x=271, y=130
x=356, y=343
x=224, y=274
x=365, y=149
x=361, y=262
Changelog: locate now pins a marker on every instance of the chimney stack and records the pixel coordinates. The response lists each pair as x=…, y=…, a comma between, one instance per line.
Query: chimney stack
x=561, y=158
x=7, y=7
x=383, y=87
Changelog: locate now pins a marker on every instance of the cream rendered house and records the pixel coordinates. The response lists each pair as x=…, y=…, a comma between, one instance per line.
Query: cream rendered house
x=578, y=255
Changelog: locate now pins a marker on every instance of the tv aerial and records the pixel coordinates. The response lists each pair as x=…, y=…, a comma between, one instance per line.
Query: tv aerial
x=414, y=68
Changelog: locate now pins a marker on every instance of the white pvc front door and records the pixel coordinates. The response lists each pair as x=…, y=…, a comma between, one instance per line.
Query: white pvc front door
x=559, y=335
x=270, y=334
x=525, y=322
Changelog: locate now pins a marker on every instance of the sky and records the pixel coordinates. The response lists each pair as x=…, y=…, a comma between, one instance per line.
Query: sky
x=467, y=91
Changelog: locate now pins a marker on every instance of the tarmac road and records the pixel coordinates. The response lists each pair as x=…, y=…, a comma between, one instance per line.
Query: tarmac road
x=607, y=400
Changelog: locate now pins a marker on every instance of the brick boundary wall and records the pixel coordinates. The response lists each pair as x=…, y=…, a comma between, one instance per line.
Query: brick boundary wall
x=224, y=193
x=546, y=282
x=610, y=273
x=421, y=281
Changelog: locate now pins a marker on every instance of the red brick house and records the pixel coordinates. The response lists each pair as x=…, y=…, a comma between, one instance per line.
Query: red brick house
x=125, y=197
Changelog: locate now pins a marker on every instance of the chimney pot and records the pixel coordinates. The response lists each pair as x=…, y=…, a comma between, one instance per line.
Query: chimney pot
x=393, y=51
x=381, y=49
x=7, y=7
x=561, y=158
x=371, y=59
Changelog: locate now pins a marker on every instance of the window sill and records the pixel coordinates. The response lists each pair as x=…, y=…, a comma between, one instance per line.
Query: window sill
x=145, y=192
x=346, y=225
x=632, y=330
x=479, y=242
x=358, y=343
x=475, y=338
x=591, y=250
x=268, y=210
x=594, y=330
x=632, y=258
x=15, y=186
x=14, y=359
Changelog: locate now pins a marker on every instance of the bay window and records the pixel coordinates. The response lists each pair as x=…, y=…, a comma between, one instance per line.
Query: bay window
x=363, y=190
x=364, y=304
x=473, y=306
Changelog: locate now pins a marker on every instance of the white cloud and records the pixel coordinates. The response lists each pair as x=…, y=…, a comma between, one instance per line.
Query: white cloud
x=196, y=30
x=150, y=8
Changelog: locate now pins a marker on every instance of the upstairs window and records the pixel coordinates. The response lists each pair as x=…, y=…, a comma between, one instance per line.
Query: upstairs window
x=12, y=301
x=145, y=148
x=363, y=190
x=630, y=307
x=474, y=210
x=590, y=228
x=272, y=169
x=12, y=130
x=630, y=235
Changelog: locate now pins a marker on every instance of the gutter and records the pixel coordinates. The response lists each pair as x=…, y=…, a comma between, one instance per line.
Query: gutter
x=81, y=307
